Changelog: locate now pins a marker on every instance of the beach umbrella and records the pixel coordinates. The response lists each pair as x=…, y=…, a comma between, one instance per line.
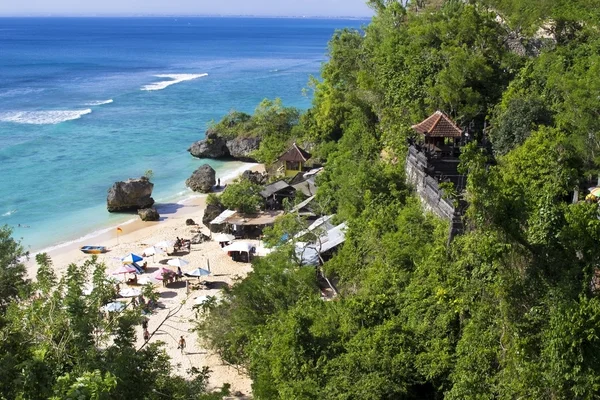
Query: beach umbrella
x=144, y=280
x=178, y=262
x=197, y=273
x=87, y=290
x=200, y=300
x=163, y=271
x=595, y=191
x=115, y=306
x=223, y=237
x=124, y=269
x=130, y=292
x=152, y=250
x=131, y=258
x=165, y=244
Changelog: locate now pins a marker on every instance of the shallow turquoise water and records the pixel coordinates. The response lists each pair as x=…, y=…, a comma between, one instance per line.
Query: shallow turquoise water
x=81, y=105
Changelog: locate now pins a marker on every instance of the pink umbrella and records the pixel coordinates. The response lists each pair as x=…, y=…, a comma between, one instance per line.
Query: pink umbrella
x=163, y=271
x=124, y=269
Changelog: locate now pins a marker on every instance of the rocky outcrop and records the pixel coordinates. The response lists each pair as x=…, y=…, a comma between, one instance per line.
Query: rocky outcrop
x=149, y=214
x=202, y=180
x=130, y=195
x=242, y=148
x=255, y=177
x=215, y=146
x=211, y=212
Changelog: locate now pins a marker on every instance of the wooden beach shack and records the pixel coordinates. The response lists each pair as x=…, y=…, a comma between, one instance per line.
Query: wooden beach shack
x=244, y=226
x=294, y=160
x=276, y=192
x=441, y=135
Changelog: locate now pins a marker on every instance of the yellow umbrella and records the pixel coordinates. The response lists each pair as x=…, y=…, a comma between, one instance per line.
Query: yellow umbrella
x=595, y=191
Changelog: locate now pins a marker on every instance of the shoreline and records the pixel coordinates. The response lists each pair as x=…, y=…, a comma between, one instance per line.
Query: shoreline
x=134, y=229
x=106, y=236
x=138, y=235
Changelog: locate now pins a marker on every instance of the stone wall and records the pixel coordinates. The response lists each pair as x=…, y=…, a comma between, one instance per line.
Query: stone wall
x=418, y=170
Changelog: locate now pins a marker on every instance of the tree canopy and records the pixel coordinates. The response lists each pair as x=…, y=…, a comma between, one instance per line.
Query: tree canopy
x=508, y=309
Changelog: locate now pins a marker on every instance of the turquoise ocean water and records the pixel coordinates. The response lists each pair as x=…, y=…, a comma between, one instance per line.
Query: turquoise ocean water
x=85, y=102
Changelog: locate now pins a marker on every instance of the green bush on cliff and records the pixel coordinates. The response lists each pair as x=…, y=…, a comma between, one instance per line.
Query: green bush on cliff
x=271, y=121
x=506, y=310
x=242, y=196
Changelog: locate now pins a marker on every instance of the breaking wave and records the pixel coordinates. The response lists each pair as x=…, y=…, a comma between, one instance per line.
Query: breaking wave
x=173, y=79
x=42, y=117
x=99, y=102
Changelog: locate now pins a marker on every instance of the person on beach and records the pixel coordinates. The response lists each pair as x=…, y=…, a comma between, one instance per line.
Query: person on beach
x=145, y=324
x=219, y=182
x=179, y=273
x=181, y=344
x=146, y=335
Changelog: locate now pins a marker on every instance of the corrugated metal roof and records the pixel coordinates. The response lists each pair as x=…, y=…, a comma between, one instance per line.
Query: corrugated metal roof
x=309, y=253
x=222, y=217
x=303, y=204
x=274, y=187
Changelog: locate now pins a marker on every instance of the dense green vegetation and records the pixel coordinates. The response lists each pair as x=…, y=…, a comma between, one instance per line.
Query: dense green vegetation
x=271, y=121
x=507, y=309
x=56, y=344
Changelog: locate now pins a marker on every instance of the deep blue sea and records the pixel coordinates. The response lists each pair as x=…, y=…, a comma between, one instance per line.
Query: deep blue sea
x=85, y=102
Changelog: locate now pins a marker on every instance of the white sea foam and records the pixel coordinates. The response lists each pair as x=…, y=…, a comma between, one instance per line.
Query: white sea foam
x=20, y=91
x=99, y=102
x=50, y=117
x=173, y=79
x=9, y=213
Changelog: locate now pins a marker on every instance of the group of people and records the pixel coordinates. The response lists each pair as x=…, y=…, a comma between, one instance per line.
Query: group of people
x=181, y=244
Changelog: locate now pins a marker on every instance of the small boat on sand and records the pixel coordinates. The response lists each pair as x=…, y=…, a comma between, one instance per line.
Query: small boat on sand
x=93, y=249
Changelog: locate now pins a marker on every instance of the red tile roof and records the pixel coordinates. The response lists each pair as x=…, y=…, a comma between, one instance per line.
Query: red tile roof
x=295, y=154
x=438, y=125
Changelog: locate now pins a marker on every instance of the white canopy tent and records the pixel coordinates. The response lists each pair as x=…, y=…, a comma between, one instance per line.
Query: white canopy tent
x=223, y=237
x=244, y=247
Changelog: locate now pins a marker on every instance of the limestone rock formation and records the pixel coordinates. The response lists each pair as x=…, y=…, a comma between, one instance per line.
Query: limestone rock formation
x=242, y=148
x=130, y=195
x=202, y=180
x=255, y=177
x=215, y=146
x=211, y=212
x=212, y=146
x=149, y=214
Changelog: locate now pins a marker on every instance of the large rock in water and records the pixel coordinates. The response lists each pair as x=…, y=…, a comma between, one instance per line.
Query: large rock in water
x=130, y=195
x=212, y=146
x=242, y=148
x=149, y=214
x=202, y=180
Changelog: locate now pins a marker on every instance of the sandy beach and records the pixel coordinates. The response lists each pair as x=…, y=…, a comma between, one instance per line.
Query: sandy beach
x=137, y=236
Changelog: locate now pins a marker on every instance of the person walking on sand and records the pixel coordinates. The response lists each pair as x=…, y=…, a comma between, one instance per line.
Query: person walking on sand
x=146, y=335
x=181, y=344
x=219, y=182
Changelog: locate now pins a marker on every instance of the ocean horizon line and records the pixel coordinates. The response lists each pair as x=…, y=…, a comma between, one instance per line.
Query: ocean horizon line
x=250, y=16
